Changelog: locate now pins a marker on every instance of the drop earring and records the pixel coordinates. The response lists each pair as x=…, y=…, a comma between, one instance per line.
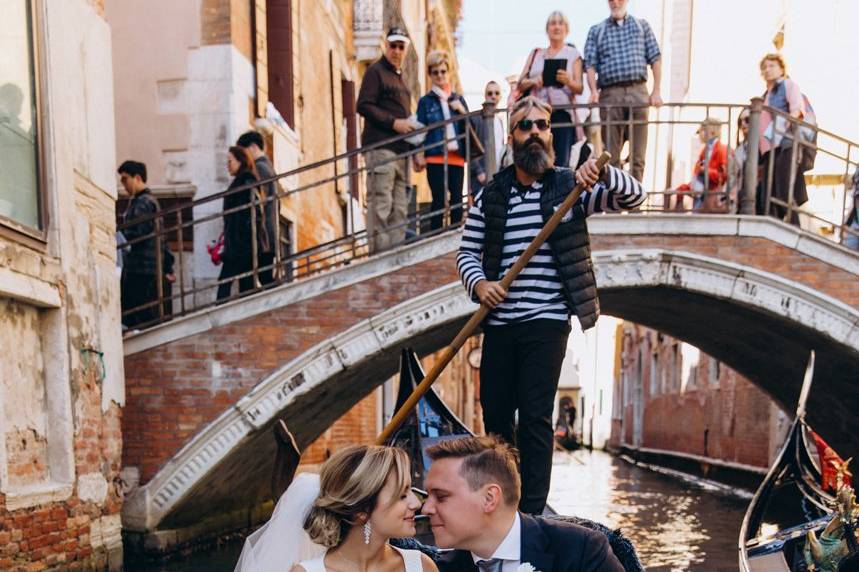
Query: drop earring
x=367, y=532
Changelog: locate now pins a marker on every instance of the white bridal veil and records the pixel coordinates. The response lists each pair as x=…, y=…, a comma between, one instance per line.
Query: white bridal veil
x=282, y=541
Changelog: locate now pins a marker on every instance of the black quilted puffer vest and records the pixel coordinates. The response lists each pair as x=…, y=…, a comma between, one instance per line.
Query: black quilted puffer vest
x=570, y=243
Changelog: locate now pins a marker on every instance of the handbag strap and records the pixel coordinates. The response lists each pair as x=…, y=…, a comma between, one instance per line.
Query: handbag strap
x=527, y=71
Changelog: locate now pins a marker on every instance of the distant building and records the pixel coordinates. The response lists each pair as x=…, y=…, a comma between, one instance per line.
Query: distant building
x=675, y=405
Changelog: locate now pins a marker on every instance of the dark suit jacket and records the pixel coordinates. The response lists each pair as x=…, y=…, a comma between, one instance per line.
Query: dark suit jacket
x=550, y=546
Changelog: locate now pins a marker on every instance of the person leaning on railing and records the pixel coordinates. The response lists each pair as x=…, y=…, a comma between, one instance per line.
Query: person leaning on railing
x=237, y=255
x=711, y=172
x=564, y=86
x=445, y=163
x=384, y=102
x=783, y=94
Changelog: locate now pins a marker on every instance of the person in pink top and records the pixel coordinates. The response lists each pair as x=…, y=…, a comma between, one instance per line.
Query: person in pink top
x=776, y=139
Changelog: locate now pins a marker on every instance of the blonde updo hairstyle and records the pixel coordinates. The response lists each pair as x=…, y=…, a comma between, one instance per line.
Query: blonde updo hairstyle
x=349, y=484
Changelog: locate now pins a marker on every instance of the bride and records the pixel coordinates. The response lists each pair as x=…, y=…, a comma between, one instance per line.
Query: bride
x=342, y=519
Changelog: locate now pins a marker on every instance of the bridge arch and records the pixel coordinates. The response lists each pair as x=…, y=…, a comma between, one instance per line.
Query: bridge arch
x=680, y=292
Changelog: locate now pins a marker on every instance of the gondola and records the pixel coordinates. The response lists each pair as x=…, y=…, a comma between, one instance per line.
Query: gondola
x=432, y=422
x=790, y=502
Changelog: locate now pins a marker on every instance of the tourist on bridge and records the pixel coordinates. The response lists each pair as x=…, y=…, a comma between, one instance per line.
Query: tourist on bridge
x=384, y=102
x=473, y=487
x=444, y=162
x=617, y=53
x=563, y=63
x=255, y=144
x=525, y=334
x=478, y=174
x=775, y=141
x=237, y=255
x=710, y=174
x=139, y=282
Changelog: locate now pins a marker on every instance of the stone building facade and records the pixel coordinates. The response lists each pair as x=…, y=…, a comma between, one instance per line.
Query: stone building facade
x=292, y=70
x=676, y=405
x=61, y=375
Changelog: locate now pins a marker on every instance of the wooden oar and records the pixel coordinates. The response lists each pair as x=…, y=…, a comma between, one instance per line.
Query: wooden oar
x=472, y=324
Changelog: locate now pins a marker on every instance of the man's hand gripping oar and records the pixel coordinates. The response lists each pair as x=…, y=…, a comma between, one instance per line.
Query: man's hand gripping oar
x=586, y=176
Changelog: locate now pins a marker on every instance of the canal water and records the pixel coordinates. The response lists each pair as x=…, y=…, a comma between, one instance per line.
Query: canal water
x=675, y=525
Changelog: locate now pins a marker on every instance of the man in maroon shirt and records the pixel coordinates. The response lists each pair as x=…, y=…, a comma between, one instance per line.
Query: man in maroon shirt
x=385, y=104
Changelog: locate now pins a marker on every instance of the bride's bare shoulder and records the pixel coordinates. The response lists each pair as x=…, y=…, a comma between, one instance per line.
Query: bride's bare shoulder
x=300, y=568
x=427, y=564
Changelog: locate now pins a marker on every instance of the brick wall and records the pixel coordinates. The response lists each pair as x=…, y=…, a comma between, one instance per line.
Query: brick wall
x=172, y=391
x=692, y=404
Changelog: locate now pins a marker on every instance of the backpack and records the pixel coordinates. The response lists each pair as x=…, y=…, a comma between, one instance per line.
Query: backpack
x=807, y=155
x=809, y=135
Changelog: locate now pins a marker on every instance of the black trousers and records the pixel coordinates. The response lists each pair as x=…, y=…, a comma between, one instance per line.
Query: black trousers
x=435, y=178
x=562, y=138
x=266, y=259
x=233, y=267
x=137, y=289
x=781, y=185
x=519, y=370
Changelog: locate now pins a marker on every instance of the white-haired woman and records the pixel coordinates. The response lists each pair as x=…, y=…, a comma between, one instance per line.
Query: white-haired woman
x=444, y=162
x=559, y=90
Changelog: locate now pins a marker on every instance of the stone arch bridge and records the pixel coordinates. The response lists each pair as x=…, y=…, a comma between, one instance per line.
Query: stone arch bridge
x=203, y=390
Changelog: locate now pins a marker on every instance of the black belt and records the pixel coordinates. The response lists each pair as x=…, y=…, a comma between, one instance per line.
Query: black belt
x=626, y=83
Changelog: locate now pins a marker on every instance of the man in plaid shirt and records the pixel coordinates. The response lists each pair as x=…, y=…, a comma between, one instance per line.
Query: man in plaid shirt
x=617, y=53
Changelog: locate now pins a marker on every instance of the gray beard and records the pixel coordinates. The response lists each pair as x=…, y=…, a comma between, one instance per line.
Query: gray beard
x=533, y=159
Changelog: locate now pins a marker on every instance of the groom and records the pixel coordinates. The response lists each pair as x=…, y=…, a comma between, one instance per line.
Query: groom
x=473, y=486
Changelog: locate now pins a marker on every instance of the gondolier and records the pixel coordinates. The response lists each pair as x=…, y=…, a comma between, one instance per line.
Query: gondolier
x=525, y=334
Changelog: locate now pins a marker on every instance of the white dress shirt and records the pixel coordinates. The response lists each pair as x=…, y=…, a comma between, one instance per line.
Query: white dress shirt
x=510, y=549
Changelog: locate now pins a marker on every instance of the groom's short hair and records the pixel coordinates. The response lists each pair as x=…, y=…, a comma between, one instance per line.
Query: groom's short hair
x=485, y=460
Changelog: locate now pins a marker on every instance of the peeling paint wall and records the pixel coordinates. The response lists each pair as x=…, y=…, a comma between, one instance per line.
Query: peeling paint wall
x=61, y=373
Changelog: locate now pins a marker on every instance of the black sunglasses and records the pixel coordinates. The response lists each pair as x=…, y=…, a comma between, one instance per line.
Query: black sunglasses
x=527, y=124
x=438, y=71
x=491, y=93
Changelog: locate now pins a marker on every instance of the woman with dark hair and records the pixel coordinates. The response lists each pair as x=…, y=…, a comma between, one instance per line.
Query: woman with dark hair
x=237, y=255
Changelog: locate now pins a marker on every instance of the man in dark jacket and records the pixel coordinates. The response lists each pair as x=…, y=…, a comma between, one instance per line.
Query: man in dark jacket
x=473, y=486
x=526, y=331
x=254, y=142
x=385, y=104
x=478, y=171
x=140, y=266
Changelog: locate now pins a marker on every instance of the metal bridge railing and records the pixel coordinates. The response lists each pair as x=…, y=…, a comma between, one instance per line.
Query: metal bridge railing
x=670, y=130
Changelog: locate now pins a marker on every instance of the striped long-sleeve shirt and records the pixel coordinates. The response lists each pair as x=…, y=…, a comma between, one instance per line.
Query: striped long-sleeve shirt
x=536, y=293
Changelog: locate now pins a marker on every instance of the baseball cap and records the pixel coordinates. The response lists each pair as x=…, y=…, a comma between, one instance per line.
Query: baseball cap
x=709, y=122
x=397, y=34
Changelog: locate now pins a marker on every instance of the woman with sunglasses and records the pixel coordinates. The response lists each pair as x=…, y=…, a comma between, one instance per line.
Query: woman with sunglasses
x=444, y=147
x=563, y=87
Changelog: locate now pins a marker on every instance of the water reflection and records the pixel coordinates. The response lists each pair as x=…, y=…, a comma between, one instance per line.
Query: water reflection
x=674, y=525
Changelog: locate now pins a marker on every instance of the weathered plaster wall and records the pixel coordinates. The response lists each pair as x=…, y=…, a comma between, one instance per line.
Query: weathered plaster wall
x=61, y=379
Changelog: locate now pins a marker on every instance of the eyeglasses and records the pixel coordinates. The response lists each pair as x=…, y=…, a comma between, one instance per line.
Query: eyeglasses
x=397, y=46
x=491, y=93
x=438, y=71
x=527, y=124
